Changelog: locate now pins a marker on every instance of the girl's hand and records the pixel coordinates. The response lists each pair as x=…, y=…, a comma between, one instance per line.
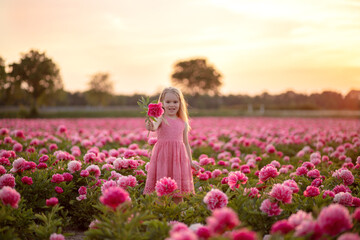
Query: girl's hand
x=149, y=126
x=194, y=166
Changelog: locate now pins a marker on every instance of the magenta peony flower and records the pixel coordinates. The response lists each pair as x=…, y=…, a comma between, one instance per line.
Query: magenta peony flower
x=203, y=232
x=56, y=236
x=311, y=191
x=9, y=196
x=82, y=190
x=7, y=180
x=328, y=193
x=270, y=208
x=155, y=110
x=243, y=234
x=282, y=227
x=59, y=189
x=341, y=188
x=57, y=178
x=268, y=171
x=347, y=177
x=114, y=196
x=27, y=180
x=17, y=147
x=222, y=219
x=215, y=199
x=84, y=173
x=52, y=201
x=42, y=165
x=301, y=171
x=67, y=177
x=2, y=170
x=316, y=182
x=165, y=186
x=292, y=185
x=281, y=193
x=334, y=219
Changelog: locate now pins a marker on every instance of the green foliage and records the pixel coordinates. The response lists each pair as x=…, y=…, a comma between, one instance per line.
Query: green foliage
x=48, y=224
x=38, y=75
x=195, y=76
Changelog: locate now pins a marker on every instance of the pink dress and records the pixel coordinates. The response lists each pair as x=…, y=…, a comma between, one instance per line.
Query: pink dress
x=169, y=158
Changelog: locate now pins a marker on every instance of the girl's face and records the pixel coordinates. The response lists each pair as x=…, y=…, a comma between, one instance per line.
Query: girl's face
x=171, y=104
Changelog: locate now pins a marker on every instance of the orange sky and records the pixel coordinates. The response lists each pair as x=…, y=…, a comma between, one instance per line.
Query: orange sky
x=258, y=45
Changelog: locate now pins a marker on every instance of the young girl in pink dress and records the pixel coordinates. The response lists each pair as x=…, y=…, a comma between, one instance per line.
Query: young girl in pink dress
x=171, y=155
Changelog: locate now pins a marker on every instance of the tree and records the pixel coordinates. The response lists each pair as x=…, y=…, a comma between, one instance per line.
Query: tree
x=100, y=90
x=195, y=76
x=2, y=80
x=38, y=75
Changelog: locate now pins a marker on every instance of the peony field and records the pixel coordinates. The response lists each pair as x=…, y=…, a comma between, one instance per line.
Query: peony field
x=259, y=178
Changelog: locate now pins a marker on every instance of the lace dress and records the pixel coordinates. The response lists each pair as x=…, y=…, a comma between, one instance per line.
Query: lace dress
x=169, y=158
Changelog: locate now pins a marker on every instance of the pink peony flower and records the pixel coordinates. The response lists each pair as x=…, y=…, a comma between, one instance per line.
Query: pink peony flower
x=316, y=182
x=292, y=185
x=356, y=214
x=7, y=180
x=297, y=218
x=94, y=169
x=313, y=173
x=349, y=236
x=347, y=177
x=18, y=165
x=311, y=191
x=56, y=236
x=17, y=147
x=301, y=171
x=74, y=166
x=222, y=219
x=281, y=193
x=2, y=170
x=165, y=186
x=236, y=178
x=215, y=199
x=282, y=227
x=268, y=171
x=52, y=201
x=114, y=196
x=27, y=180
x=252, y=192
x=270, y=208
x=42, y=165
x=59, y=189
x=127, y=181
x=334, y=219
x=308, y=228
x=343, y=198
x=9, y=196
x=155, y=110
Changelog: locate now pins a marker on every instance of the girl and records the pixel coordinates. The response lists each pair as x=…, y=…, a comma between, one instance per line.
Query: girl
x=171, y=155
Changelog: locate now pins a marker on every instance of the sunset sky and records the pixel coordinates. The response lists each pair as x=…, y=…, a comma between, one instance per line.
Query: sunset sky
x=258, y=45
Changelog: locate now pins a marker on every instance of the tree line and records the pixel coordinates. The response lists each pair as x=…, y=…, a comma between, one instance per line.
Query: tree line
x=36, y=81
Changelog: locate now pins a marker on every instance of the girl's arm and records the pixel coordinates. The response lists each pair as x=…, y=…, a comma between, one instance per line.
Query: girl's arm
x=153, y=125
x=188, y=150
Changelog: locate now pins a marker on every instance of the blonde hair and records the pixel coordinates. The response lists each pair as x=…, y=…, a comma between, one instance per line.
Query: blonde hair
x=183, y=111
